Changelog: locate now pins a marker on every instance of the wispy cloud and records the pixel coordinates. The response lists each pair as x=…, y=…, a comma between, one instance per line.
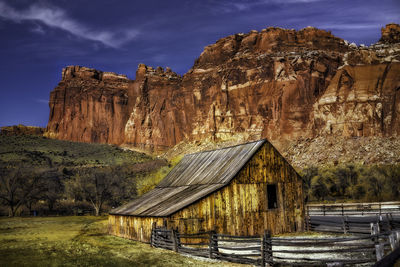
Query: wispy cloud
x=234, y=5
x=350, y=26
x=57, y=18
x=41, y=101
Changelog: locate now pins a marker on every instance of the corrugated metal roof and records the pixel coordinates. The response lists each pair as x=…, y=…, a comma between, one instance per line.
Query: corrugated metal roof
x=193, y=178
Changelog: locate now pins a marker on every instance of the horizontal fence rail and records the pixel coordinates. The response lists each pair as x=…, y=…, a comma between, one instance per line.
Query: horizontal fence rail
x=352, y=224
x=294, y=251
x=354, y=209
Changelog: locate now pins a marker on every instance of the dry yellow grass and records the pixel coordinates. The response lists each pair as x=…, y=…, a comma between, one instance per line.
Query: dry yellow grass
x=79, y=241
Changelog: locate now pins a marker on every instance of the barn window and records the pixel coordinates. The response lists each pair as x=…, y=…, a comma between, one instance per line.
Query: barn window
x=271, y=194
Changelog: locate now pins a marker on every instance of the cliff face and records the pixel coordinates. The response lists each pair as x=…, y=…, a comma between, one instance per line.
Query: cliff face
x=360, y=101
x=89, y=106
x=279, y=84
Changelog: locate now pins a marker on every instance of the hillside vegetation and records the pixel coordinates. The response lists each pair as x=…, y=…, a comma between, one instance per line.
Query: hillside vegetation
x=43, y=152
x=40, y=176
x=47, y=176
x=352, y=182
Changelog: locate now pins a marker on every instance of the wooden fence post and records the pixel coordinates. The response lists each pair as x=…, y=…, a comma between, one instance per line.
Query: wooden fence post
x=323, y=208
x=153, y=228
x=345, y=224
x=394, y=239
x=178, y=238
x=174, y=240
x=342, y=210
x=268, y=248
x=379, y=248
x=397, y=238
x=263, y=243
x=151, y=237
x=213, y=247
x=389, y=221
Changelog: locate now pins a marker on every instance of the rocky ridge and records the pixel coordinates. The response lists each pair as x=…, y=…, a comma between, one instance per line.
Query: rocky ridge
x=284, y=85
x=21, y=130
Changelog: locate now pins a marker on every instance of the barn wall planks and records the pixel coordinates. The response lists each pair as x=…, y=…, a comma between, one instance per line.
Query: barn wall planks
x=137, y=228
x=240, y=208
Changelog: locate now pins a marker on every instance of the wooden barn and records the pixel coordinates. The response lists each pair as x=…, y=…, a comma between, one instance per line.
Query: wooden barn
x=238, y=190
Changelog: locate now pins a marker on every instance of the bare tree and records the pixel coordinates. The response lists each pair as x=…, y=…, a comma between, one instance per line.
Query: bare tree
x=93, y=185
x=18, y=185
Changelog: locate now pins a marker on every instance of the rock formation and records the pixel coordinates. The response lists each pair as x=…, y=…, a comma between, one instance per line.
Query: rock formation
x=89, y=106
x=277, y=83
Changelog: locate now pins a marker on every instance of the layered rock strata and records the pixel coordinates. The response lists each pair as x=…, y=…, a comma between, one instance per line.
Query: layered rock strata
x=89, y=106
x=277, y=84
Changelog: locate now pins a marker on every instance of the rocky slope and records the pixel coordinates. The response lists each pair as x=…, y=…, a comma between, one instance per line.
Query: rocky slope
x=284, y=85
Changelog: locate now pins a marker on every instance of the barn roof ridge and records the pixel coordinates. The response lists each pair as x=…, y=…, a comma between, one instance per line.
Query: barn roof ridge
x=227, y=147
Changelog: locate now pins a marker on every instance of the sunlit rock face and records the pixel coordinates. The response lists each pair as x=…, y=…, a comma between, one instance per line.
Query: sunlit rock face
x=278, y=84
x=361, y=101
x=89, y=106
x=390, y=34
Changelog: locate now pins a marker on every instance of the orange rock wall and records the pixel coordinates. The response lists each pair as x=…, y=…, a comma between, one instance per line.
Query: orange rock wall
x=279, y=84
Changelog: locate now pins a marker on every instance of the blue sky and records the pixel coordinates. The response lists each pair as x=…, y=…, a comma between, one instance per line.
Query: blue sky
x=39, y=38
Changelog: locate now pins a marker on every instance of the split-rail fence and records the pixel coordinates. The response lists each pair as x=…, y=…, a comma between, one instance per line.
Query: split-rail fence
x=354, y=209
x=256, y=250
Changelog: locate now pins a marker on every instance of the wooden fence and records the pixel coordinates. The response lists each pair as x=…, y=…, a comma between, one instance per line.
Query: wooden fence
x=361, y=209
x=352, y=224
x=262, y=250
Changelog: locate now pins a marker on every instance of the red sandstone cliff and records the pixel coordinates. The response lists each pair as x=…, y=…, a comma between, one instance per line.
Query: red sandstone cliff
x=277, y=83
x=89, y=106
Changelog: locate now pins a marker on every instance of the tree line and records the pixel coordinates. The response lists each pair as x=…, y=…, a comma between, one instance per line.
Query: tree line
x=30, y=190
x=352, y=182
x=26, y=189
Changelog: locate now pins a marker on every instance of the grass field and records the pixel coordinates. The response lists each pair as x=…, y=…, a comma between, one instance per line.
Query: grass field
x=78, y=241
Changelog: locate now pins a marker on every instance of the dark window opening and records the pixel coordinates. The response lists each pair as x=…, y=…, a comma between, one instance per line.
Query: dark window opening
x=271, y=194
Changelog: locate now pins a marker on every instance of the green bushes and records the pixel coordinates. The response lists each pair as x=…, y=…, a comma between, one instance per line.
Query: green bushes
x=148, y=182
x=352, y=182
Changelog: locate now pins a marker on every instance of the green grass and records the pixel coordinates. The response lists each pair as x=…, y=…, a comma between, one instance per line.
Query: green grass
x=41, y=151
x=78, y=241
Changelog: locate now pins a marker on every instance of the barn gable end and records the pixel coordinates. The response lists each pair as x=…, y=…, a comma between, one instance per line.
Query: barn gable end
x=224, y=190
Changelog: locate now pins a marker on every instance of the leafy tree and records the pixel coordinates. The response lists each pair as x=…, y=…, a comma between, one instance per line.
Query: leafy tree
x=391, y=177
x=308, y=174
x=357, y=191
x=319, y=189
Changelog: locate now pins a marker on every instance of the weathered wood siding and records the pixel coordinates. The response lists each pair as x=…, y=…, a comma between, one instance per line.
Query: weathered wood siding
x=240, y=208
x=137, y=228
